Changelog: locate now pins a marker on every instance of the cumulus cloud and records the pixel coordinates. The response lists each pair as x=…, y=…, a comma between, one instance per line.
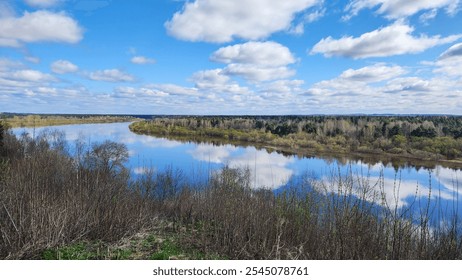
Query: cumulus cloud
x=63, y=67
x=398, y=9
x=25, y=78
x=16, y=78
x=256, y=73
x=410, y=84
x=361, y=82
x=396, y=39
x=39, y=26
x=450, y=61
x=111, y=75
x=222, y=21
x=257, y=53
x=453, y=51
x=371, y=74
x=256, y=61
x=172, y=89
x=32, y=76
x=142, y=60
x=131, y=92
x=383, y=88
x=210, y=77
x=216, y=81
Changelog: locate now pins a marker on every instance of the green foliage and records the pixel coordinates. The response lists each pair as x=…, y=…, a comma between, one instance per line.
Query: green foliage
x=424, y=132
x=87, y=251
x=167, y=251
x=399, y=141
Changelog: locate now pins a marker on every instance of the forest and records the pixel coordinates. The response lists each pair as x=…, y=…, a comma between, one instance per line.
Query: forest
x=420, y=137
x=33, y=120
x=57, y=204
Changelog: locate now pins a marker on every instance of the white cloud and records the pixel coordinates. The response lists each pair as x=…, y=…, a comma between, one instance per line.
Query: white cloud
x=392, y=40
x=47, y=90
x=15, y=77
x=256, y=73
x=410, y=84
x=6, y=10
x=425, y=17
x=216, y=81
x=42, y=3
x=210, y=77
x=31, y=76
x=131, y=92
x=257, y=53
x=111, y=75
x=298, y=29
x=314, y=16
x=283, y=86
x=63, y=67
x=142, y=60
x=172, y=89
x=453, y=51
x=256, y=61
x=398, y=9
x=39, y=26
x=7, y=64
x=382, y=88
x=371, y=74
x=449, y=63
x=222, y=21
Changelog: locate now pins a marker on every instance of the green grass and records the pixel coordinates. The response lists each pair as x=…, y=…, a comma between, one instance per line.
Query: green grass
x=167, y=250
x=152, y=246
x=87, y=251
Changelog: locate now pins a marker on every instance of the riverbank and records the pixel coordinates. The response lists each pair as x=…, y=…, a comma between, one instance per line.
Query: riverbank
x=15, y=120
x=420, y=152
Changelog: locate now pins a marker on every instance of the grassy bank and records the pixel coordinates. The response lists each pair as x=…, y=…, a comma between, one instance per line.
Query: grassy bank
x=54, y=205
x=51, y=120
x=391, y=137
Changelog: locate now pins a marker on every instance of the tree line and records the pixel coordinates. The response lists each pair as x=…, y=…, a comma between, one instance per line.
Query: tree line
x=428, y=137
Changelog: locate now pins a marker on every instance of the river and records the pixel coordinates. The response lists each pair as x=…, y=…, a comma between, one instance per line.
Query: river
x=402, y=187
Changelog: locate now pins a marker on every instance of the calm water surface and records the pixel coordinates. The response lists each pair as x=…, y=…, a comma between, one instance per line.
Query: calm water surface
x=402, y=187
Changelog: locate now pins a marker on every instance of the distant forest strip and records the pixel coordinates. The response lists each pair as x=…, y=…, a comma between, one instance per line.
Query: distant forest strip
x=14, y=120
x=420, y=137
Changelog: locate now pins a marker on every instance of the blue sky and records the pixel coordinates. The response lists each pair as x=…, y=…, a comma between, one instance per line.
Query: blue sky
x=231, y=56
